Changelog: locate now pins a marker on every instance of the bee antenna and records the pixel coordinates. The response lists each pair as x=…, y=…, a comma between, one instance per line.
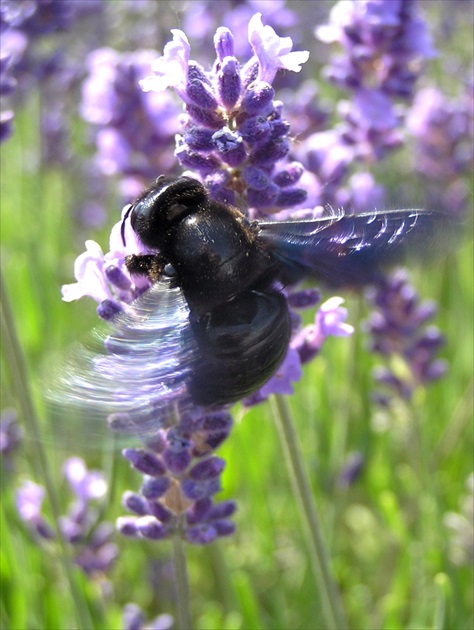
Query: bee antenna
x=122, y=227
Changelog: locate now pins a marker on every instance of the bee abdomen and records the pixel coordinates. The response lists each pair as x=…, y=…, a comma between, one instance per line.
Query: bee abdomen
x=241, y=342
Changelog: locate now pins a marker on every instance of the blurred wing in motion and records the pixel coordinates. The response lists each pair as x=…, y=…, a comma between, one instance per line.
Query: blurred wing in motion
x=136, y=380
x=351, y=250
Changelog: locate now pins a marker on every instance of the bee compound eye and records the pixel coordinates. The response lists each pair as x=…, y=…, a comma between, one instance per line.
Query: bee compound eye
x=169, y=271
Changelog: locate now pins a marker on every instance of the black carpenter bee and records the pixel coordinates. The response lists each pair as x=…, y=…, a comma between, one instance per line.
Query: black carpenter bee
x=215, y=326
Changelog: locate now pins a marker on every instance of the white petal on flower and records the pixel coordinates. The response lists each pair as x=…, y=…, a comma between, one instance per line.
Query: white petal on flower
x=96, y=486
x=29, y=498
x=330, y=318
x=273, y=52
x=341, y=15
x=89, y=273
x=293, y=60
x=72, y=292
x=170, y=70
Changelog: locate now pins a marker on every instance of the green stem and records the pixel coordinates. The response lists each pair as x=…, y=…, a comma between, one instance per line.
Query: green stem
x=182, y=584
x=456, y=429
x=441, y=602
x=319, y=556
x=16, y=363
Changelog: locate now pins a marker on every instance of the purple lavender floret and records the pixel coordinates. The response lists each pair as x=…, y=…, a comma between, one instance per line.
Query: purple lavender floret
x=11, y=437
x=399, y=328
x=351, y=470
x=7, y=87
x=29, y=501
x=134, y=619
x=329, y=320
x=92, y=541
x=105, y=278
x=200, y=19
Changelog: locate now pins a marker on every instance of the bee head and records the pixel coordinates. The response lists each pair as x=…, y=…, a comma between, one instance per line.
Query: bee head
x=164, y=203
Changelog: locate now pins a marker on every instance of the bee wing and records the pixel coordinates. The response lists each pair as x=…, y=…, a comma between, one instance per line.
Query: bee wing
x=136, y=378
x=350, y=250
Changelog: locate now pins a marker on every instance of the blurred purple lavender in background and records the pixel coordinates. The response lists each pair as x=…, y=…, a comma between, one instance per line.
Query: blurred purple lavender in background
x=91, y=540
x=33, y=36
x=29, y=501
x=351, y=470
x=399, y=328
x=384, y=43
x=133, y=618
x=7, y=87
x=43, y=17
x=384, y=47
x=11, y=437
x=444, y=149
x=135, y=131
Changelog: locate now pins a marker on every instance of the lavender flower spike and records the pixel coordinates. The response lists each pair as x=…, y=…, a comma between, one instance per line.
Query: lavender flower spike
x=90, y=541
x=384, y=45
x=399, y=328
x=233, y=134
x=181, y=477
